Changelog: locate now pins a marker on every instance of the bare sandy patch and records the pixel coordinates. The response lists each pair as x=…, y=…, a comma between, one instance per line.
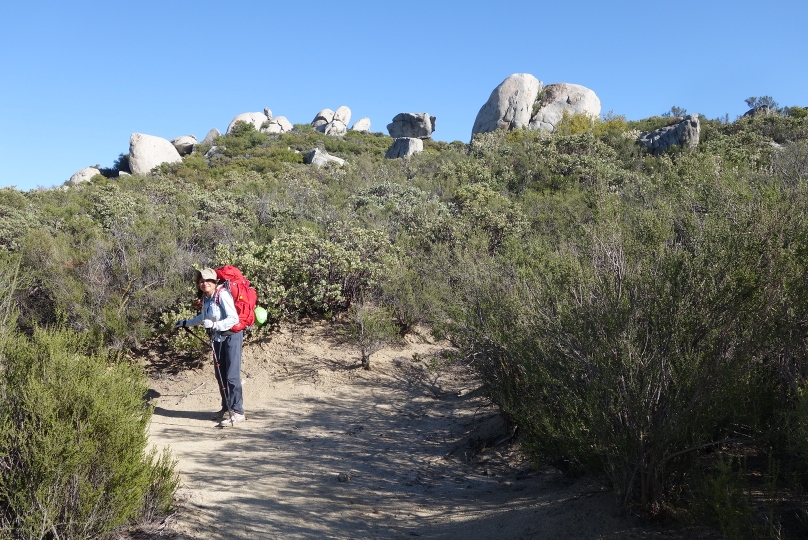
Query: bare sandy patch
x=409, y=449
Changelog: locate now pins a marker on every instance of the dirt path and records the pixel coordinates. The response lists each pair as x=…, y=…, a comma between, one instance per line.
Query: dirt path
x=331, y=451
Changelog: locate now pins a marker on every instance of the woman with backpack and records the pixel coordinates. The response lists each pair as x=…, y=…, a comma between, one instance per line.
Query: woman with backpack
x=219, y=316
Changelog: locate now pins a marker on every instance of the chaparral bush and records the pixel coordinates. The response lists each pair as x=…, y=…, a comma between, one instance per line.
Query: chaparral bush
x=74, y=456
x=303, y=273
x=672, y=323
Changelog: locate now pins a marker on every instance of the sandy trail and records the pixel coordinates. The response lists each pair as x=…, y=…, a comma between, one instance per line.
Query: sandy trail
x=332, y=451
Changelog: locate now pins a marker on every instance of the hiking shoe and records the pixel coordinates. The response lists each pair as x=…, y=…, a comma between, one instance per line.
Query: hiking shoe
x=224, y=413
x=234, y=418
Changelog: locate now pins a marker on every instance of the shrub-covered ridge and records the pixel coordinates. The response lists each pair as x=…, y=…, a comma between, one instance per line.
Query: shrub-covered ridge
x=635, y=316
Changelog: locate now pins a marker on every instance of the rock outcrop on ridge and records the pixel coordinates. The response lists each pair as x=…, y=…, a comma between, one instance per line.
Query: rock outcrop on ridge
x=257, y=119
x=412, y=125
x=685, y=133
x=83, y=175
x=211, y=136
x=331, y=122
x=510, y=104
x=555, y=99
x=278, y=124
x=185, y=144
x=147, y=152
x=362, y=125
x=321, y=158
x=520, y=102
x=405, y=146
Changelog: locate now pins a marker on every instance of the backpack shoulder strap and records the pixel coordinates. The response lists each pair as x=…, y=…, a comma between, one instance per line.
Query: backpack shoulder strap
x=219, y=287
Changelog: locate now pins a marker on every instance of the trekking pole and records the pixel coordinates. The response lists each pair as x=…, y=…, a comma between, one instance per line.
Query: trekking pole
x=195, y=335
x=217, y=366
x=222, y=380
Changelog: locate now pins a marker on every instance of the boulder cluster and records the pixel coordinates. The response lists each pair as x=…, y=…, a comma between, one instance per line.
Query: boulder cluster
x=520, y=101
x=332, y=122
x=336, y=122
x=263, y=122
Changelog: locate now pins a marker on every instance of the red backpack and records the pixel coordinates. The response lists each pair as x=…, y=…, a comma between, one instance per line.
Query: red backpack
x=243, y=293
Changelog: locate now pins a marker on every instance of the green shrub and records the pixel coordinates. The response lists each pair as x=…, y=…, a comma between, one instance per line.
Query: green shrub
x=780, y=129
x=748, y=148
x=720, y=497
x=403, y=211
x=112, y=284
x=412, y=290
x=796, y=111
x=522, y=159
x=651, y=334
x=18, y=215
x=301, y=273
x=575, y=124
x=73, y=444
x=652, y=123
x=370, y=328
x=483, y=209
x=242, y=138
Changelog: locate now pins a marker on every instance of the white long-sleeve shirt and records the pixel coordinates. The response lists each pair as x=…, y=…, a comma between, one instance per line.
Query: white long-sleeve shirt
x=222, y=313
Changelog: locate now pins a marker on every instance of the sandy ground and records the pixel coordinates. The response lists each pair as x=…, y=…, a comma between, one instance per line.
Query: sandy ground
x=329, y=450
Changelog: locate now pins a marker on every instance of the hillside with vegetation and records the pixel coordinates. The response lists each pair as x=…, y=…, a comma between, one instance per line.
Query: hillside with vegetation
x=642, y=318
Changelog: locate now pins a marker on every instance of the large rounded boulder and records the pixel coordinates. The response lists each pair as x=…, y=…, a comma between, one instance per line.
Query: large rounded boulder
x=279, y=124
x=211, y=136
x=83, y=175
x=362, y=125
x=559, y=97
x=257, y=120
x=322, y=119
x=510, y=104
x=147, y=152
x=343, y=114
x=185, y=144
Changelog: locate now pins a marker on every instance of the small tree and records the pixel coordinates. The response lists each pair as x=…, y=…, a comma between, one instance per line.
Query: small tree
x=762, y=101
x=674, y=112
x=122, y=164
x=370, y=328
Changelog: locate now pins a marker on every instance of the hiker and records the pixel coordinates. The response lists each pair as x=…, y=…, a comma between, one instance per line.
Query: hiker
x=218, y=316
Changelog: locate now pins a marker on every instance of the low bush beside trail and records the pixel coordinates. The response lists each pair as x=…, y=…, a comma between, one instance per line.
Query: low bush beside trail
x=73, y=442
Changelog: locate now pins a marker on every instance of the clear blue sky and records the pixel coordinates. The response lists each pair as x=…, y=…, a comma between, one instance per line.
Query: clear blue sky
x=77, y=78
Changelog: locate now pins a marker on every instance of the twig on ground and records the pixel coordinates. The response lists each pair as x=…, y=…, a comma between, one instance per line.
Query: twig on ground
x=165, y=521
x=191, y=392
